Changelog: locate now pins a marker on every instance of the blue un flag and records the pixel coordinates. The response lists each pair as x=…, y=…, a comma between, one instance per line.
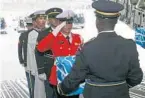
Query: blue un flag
x=64, y=66
x=140, y=36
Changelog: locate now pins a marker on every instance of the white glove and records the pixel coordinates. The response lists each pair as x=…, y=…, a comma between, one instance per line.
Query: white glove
x=129, y=86
x=23, y=65
x=60, y=91
x=42, y=76
x=58, y=28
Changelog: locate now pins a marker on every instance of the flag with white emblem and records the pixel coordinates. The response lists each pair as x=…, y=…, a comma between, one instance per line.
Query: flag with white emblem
x=140, y=37
x=64, y=66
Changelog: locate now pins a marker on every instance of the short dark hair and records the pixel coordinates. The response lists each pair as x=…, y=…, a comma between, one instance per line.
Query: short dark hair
x=104, y=23
x=39, y=15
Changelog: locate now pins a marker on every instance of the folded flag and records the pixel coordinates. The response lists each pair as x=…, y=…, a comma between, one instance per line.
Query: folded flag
x=64, y=66
x=140, y=36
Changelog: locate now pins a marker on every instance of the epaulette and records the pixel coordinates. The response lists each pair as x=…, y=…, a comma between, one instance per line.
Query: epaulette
x=90, y=40
x=31, y=30
x=50, y=30
x=27, y=31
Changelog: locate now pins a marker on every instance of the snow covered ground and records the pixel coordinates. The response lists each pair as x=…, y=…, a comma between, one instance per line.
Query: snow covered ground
x=10, y=67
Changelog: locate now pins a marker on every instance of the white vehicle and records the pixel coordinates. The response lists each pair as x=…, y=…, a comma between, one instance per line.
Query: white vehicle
x=2, y=26
x=21, y=26
x=3, y=31
x=79, y=21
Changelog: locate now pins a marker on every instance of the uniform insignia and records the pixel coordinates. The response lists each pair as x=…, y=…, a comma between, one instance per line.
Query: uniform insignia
x=61, y=42
x=91, y=39
x=80, y=47
x=77, y=44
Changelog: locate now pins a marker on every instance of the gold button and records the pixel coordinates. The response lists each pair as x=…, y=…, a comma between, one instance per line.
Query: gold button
x=60, y=47
x=68, y=54
x=69, y=48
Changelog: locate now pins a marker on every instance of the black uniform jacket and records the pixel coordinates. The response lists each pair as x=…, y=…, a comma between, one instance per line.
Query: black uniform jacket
x=44, y=60
x=106, y=59
x=22, y=47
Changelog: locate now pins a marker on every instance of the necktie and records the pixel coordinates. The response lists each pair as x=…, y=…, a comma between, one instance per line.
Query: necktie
x=68, y=39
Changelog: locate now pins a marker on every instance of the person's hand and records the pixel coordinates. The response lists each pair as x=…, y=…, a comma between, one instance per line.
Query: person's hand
x=58, y=28
x=23, y=65
x=59, y=90
x=42, y=76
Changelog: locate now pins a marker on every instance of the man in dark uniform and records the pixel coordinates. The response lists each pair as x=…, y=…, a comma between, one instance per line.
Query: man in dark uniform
x=29, y=26
x=52, y=21
x=109, y=63
x=46, y=60
x=22, y=51
x=47, y=57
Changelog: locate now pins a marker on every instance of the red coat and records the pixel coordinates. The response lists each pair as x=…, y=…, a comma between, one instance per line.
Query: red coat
x=60, y=47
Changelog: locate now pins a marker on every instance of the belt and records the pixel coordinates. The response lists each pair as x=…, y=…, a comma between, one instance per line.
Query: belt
x=88, y=81
x=49, y=55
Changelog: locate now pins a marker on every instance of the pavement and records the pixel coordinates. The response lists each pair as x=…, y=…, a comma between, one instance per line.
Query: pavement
x=18, y=89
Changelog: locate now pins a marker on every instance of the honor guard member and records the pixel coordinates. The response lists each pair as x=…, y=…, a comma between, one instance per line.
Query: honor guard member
x=62, y=42
x=47, y=55
x=38, y=87
x=29, y=24
x=52, y=22
x=109, y=63
x=22, y=51
x=51, y=15
x=45, y=60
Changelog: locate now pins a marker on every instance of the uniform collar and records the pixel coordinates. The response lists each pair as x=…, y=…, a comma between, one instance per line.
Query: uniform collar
x=107, y=34
x=107, y=31
x=70, y=35
x=52, y=28
x=38, y=29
